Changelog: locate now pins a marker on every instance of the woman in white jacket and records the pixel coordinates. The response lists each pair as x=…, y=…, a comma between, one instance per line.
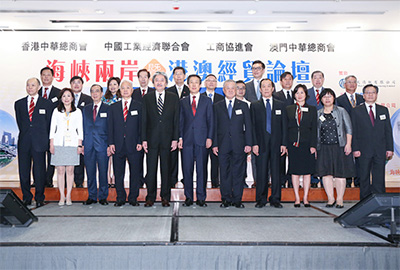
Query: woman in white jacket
x=66, y=134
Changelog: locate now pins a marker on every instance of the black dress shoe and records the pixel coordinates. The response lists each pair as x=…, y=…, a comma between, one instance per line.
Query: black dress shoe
x=314, y=185
x=26, y=203
x=119, y=203
x=39, y=204
x=330, y=205
x=225, y=204
x=201, y=203
x=215, y=186
x=276, y=204
x=348, y=185
x=109, y=185
x=339, y=206
x=290, y=185
x=357, y=185
x=79, y=186
x=253, y=185
x=103, y=202
x=188, y=202
x=239, y=205
x=307, y=205
x=165, y=203
x=296, y=205
x=112, y=185
x=283, y=186
x=149, y=204
x=245, y=185
x=33, y=185
x=134, y=203
x=89, y=201
x=260, y=205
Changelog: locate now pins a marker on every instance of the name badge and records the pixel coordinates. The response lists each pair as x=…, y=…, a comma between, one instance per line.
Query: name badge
x=43, y=111
x=278, y=112
x=238, y=112
x=322, y=118
x=54, y=99
x=83, y=103
x=304, y=109
x=103, y=114
x=134, y=113
x=382, y=117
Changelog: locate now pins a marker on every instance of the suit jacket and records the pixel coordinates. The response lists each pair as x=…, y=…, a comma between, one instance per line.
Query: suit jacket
x=35, y=133
x=53, y=96
x=280, y=95
x=160, y=130
x=372, y=140
x=195, y=130
x=95, y=134
x=308, y=125
x=251, y=94
x=235, y=133
x=344, y=102
x=312, y=100
x=84, y=100
x=217, y=97
x=278, y=134
x=185, y=90
x=118, y=129
x=137, y=94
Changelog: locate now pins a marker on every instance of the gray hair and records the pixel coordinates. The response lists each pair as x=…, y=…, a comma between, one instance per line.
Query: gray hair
x=126, y=81
x=33, y=78
x=160, y=73
x=229, y=81
x=350, y=76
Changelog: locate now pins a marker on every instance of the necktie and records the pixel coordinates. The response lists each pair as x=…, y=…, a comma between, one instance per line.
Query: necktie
x=371, y=115
x=95, y=113
x=230, y=109
x=160, y=105
x=45, y=92
x=258, y=89
x=317, y=96
x=31, y=108
x=210, y=96
x=143, y=92
x=353, y=102
x=288, y=97
x=268, y=118
x=76, y=100
x=125, y=110
x=194, y=106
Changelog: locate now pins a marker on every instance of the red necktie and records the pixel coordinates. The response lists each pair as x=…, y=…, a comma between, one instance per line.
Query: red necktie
x=125, y=110
x=317, y=96
x=143, y=92
x=194, y=105
x=31, y=108
x=45, y=93
x=371, y=115
x=94, y=113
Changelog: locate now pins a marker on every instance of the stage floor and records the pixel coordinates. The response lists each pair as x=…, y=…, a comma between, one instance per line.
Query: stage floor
x=108, y=225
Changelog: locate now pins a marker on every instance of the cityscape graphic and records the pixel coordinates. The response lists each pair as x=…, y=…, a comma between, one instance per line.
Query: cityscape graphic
x=9, y=138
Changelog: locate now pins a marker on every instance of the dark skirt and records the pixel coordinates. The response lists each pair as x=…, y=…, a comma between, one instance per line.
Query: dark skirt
x=301, y=161
x=333, y=161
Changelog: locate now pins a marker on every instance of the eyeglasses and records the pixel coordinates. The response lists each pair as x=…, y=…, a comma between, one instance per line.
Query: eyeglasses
x=214, y=81
x=256, y=68
x=369, y=93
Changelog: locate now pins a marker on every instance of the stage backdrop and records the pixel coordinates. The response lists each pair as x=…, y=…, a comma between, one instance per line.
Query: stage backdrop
x=96, y=56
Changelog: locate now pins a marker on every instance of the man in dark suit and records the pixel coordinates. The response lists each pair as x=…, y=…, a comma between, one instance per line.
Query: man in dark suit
x=181, y=90
x=33, y=115
x=195, y=137
x=143, y=78
x=348, y=101
x=48, y=91
x=285, y=96
x=81, y=100
x=269, y=143
x=95, y=142
x=124, y=140
x=317, y=80
x=253, y=87
x=372, y=141
x=211, y=83
x=232, y=142
x=138, y=93
x=160, y=131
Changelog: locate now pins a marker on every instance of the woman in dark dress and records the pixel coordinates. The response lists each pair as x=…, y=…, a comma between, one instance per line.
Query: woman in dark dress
x=302, y=142
x=334, y=132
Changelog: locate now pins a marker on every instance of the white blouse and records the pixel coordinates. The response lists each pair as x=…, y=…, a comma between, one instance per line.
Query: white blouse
x=66, y=130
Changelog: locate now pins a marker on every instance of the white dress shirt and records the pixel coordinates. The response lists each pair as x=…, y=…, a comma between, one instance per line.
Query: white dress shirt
x=197, y=99
x=373, y=108
x=35, y=99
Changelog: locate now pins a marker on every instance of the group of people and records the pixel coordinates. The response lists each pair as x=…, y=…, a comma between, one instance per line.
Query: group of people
x=323, y=137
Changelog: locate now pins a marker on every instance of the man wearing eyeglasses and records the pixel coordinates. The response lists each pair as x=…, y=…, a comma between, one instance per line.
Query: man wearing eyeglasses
x=253, y=87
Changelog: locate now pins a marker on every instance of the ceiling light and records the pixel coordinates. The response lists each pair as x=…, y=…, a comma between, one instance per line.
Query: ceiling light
x=252, y=12
x=71, y=26
x=99, y=11
x=353, y=27
x=283, y=27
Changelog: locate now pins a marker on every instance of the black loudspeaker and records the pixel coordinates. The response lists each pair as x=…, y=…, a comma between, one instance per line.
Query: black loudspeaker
x=377, y=210
x=13, y=212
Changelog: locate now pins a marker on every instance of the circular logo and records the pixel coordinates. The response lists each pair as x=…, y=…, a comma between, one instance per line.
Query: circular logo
x=341, y=83
x=8, y=138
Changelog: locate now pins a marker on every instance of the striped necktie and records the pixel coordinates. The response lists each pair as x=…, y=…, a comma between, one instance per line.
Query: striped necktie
x=160, y=105
x=31, y=108
x=125, y=110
